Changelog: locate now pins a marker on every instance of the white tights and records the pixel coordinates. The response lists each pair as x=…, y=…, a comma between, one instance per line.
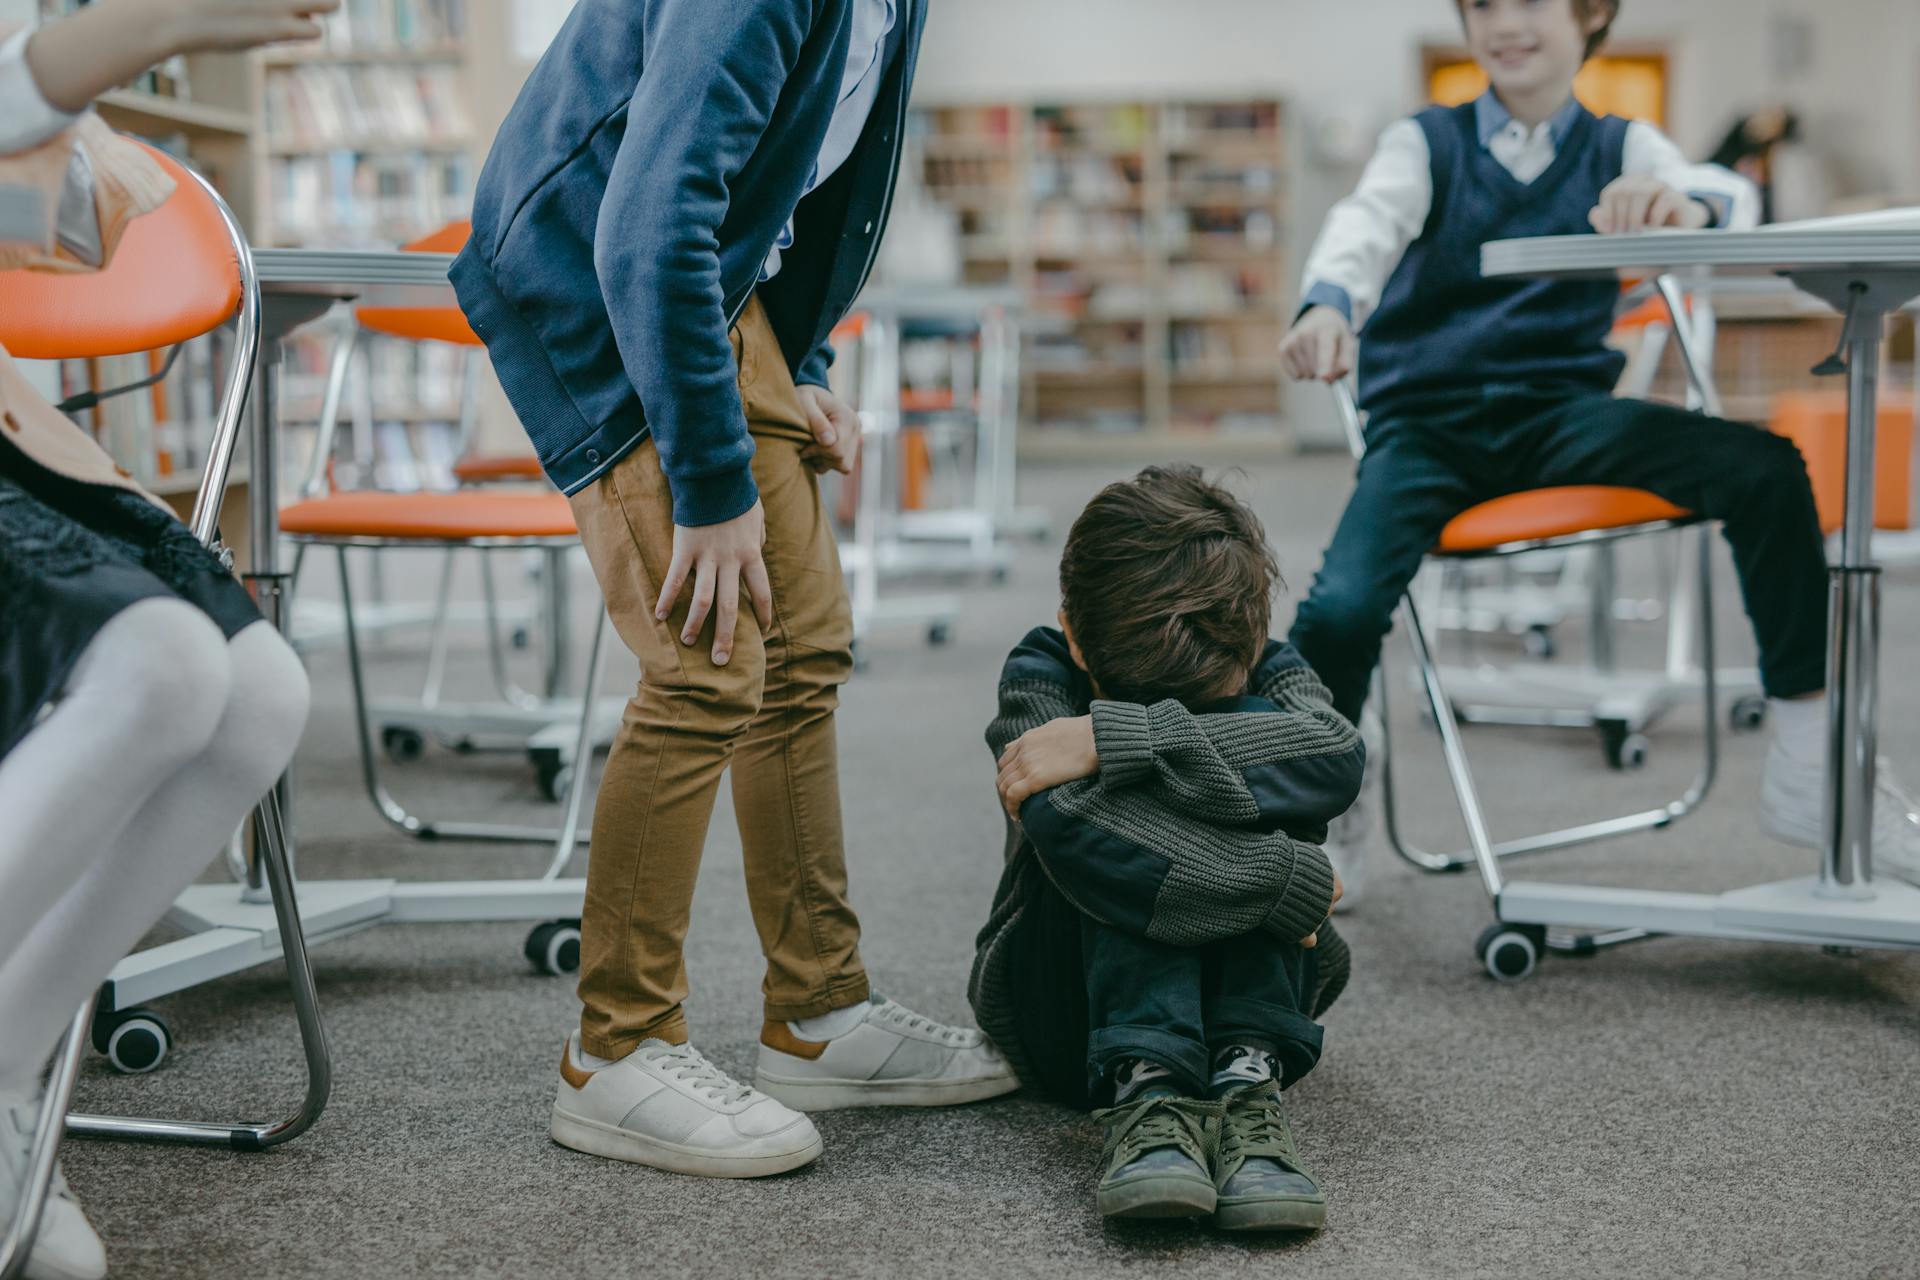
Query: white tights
x=164, y=738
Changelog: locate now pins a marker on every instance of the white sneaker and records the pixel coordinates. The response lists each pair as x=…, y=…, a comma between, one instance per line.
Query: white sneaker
x=891, y=1058
x=1793, y=803
x=67, y=1247
x=664, y=1105
x=1350, y=837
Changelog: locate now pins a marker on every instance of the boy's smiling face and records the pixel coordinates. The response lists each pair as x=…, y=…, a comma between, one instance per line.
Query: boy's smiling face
x=1530, y=47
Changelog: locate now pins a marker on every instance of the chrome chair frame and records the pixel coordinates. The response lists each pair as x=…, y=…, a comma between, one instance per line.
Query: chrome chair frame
x=1482, y=851
x=270, y=858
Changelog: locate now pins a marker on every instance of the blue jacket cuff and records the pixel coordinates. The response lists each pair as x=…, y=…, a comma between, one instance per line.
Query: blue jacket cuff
x=813, y=371
x=714, y=499
x=1323, y=294
x=1719, y=207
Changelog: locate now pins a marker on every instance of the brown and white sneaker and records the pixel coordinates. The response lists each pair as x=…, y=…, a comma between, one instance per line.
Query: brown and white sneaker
x=892, y=1057
x=665, y=1106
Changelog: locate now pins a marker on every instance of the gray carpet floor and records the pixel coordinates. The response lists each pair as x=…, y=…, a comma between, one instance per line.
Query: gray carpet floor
x=1670, y=1108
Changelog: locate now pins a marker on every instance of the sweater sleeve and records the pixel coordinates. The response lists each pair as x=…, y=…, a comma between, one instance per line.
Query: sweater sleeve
x=1292, y=763
x=657, y=247
x=1038, y=684
x=1131, y=863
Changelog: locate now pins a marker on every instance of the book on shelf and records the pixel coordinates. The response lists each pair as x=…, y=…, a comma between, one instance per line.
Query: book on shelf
x=362, y=25
x=340, y=105
x=156, y=432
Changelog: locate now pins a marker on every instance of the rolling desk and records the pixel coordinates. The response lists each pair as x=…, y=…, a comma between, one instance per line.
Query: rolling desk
x=231, y=927
x=1865, y=268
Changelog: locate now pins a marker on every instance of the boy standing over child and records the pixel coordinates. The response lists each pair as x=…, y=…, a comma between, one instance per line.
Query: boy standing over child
x=1475, y=388
x=1159, y=940
x=677, y=211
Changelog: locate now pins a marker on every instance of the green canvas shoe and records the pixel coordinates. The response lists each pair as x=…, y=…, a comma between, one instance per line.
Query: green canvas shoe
x=1262, y=1186
x=1156, y=1158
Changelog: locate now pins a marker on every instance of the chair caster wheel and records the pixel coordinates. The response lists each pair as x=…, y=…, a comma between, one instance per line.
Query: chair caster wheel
x=554, y=947
x=1748, y=713
x=553, y=774
x=939, y=634
x=1539, y=642
x=521, y=639
x=1510, y=952
x=1625, y=749
x=1000, y=576
x=404, y=745
x=135, y=1041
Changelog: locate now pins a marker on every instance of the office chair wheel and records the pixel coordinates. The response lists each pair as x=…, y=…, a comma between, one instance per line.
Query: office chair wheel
x=1000, y=576
x=135, y=1041
x=1748, y=713
x=521, y=638
x=404, y=745
x=1539, y=642
x=554, y=947
x=939, y=634
x=1625, y=749
x=553, y=774
x=1510, y=952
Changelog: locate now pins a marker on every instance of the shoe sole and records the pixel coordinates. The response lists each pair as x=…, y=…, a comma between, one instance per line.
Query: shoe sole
x=836, y=1095
x=1158, y=1198
x=598, y=1139
x=1271, y=1215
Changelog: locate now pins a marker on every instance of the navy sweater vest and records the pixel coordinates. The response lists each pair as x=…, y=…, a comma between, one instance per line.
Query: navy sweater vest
x=1442, y=329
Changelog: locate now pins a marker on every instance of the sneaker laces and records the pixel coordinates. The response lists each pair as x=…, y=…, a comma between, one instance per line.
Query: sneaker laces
x=900, y=1015
x=688, y=1064
x=1253, y=1126
x=1155, y=1123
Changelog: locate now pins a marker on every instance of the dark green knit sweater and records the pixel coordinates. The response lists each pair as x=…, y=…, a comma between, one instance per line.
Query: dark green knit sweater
x=1197, y=827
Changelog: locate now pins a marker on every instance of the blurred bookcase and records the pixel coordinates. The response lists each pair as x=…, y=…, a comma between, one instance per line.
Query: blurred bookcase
x=1148, y=237
x=364, y=139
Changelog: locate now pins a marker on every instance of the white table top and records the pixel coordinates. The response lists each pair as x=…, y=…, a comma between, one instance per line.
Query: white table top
x=1778, y=251
x=376, y=277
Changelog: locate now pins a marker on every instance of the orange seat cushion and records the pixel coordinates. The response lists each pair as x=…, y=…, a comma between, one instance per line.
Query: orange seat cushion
x=1552, y=513
x=174, y=277
x=431, y=517
x=1816, y=422
x=484, y=468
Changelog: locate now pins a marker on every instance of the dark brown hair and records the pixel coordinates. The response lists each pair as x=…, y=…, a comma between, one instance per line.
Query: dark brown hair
x=1167, y=584
x=1585, y=10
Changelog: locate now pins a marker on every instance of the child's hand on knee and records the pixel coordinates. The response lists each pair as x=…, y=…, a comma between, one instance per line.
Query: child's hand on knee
x=1040, y=759
x=1339, y=891
x=1639, y=202
x=1320, y=346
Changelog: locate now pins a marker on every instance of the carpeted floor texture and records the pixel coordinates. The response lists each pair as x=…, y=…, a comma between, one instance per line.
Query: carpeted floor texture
x=1672, y=1108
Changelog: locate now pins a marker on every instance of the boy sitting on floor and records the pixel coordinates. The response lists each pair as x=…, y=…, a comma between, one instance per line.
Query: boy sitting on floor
x=1476, y=388
x=1159, y=939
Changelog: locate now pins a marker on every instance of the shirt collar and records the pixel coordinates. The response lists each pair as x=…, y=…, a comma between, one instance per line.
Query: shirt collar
x=1491, y=116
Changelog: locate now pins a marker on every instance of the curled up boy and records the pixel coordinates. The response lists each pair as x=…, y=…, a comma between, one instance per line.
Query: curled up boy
x=1159, y=941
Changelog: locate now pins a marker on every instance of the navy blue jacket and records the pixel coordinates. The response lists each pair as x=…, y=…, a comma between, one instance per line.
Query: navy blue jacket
x=631, y=198
x=1443, y=328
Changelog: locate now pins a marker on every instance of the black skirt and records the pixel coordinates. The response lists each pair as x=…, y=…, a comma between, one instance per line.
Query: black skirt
x=72, y=556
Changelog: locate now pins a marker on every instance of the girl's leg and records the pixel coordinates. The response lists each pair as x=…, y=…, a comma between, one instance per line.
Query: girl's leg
x=143, y=700
x=165, y=844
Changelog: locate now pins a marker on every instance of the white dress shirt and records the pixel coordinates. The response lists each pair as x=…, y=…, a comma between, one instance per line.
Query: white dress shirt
x=873, y=22
x=1367, y=234
x=27, y=119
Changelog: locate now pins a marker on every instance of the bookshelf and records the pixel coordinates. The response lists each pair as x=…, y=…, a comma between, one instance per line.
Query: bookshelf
x=1148, y=237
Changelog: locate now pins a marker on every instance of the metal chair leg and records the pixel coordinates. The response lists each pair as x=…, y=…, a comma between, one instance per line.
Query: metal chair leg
x=383, y=802
x=1482, y=852
x=582, y=754
x=17, y=1245
x=253, y=1135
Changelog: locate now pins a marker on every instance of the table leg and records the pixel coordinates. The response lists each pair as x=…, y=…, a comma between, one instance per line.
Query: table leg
x=1853, y=657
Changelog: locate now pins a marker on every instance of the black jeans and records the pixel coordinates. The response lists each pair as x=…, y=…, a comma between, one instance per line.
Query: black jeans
x=1421, y=471
x=1176, y=1006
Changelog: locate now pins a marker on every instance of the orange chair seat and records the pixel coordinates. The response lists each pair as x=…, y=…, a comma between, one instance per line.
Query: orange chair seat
x=431, y=517
x=1552, y=513
x=486, y=468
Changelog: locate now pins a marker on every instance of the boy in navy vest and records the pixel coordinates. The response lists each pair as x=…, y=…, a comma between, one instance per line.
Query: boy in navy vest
x=1477, y=388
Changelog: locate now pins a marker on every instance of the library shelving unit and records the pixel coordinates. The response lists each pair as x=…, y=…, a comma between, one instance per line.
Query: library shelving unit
x=1149, y=240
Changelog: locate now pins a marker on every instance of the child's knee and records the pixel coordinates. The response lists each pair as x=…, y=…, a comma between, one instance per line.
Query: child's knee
x=163, y=665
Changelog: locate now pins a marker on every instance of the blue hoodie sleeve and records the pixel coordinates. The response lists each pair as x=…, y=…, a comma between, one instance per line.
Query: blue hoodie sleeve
x=714, y=73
